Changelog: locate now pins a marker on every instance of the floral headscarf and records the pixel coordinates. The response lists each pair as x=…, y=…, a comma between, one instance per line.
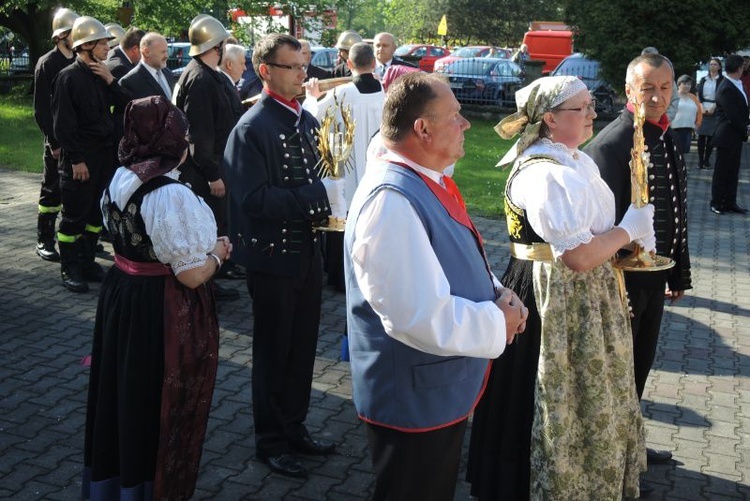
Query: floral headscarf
x=154, y=139
x=533, y=101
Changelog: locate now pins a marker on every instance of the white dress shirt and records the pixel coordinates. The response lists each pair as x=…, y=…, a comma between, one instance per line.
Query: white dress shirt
x=737, y=83
x=401, y=278
x=159, y=77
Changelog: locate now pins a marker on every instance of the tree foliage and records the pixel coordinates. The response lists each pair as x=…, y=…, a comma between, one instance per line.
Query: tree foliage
x=687, y=32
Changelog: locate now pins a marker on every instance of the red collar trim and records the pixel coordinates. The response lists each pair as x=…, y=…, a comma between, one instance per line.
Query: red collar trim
x=290, y=104
x=448, y=201
x=663, y=122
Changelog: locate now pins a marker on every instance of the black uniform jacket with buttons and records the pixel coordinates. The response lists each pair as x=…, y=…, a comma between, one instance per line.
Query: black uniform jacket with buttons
x=610, y=149
x=275, y=193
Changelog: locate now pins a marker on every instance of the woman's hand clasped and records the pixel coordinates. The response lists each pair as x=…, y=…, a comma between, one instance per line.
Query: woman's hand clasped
x=223, y=248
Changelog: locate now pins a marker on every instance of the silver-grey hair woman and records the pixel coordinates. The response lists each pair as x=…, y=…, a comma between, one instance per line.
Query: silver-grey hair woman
x=560, y=418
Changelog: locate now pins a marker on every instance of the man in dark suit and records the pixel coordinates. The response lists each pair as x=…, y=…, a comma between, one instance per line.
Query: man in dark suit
x=124, y=57
x=150, y=77
x=233, y=67
x=275, y=200
x=385, y=46
x=731, y=132
x=312, y=70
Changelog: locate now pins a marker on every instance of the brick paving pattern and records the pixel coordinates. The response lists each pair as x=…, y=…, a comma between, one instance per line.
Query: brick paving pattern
x=697, y=399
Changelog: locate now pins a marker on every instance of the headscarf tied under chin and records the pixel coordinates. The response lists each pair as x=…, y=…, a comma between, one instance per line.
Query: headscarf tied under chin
x=154, y=139
x=533, y=101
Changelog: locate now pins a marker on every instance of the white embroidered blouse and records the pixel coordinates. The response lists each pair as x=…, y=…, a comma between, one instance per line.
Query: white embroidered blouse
x=566, y=203
x=181, y=226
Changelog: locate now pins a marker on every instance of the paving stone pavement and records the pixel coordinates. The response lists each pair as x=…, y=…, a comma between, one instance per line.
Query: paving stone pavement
x=697, y=399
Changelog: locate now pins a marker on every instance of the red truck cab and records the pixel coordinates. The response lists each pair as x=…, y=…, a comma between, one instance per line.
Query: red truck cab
x=549, y=45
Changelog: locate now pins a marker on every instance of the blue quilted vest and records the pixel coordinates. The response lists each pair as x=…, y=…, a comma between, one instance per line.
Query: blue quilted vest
x=394, y=385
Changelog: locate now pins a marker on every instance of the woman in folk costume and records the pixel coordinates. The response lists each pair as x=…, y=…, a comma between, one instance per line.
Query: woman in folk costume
x=156, y=336
x=560, y=418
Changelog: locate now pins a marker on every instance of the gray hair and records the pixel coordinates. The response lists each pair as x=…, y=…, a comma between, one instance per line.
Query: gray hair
x=653, y=60
x=233, y=52
x=149, y=38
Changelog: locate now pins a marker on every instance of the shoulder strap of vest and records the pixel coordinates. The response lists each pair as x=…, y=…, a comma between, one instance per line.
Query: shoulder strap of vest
x=148, y=187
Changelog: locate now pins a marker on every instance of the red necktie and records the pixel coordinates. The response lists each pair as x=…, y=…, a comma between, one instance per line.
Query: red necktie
x=451, y=188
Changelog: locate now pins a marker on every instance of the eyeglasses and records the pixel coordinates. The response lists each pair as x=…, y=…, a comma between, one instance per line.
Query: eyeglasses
x=293, y=67
x=588, y=107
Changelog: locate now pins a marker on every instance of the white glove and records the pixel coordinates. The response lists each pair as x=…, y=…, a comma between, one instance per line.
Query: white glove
x=648, y=243
x=639, y=223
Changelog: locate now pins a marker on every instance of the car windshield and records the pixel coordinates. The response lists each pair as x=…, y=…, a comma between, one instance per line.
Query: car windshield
x=470, y=52
x=403, y=50
x=578, y=66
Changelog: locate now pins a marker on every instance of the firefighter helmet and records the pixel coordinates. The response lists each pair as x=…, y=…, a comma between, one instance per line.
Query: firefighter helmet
x=347, y=39
x=63, y=21
x=205, y=32
x=116, y=31
x=87, y=29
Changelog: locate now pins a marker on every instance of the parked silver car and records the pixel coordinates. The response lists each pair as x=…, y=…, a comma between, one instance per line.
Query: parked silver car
x=484, y=80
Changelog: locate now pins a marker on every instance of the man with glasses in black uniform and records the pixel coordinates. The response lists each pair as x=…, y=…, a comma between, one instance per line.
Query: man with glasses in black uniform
x=275, y=202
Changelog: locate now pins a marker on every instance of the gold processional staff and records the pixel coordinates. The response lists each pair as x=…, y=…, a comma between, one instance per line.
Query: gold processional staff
x=639, y=259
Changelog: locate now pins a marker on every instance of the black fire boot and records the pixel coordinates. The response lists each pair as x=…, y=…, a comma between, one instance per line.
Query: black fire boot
x=70, y=267
x=92, y=271
x=45, y=237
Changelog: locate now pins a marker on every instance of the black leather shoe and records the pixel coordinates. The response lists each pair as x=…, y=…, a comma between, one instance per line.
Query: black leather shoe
x=658, y=457
x=313, y=447
x=285, y=464
x=717, y=210
x=736, y=209
x=646, y=489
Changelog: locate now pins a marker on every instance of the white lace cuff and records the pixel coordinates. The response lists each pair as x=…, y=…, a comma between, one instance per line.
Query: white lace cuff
x=188, y=263
x=570, y=242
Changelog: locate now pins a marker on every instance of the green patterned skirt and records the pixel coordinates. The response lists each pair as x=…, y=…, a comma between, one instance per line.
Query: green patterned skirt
x=588, y=437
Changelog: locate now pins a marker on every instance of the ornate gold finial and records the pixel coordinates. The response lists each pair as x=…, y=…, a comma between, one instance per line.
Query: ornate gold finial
x=336, y=140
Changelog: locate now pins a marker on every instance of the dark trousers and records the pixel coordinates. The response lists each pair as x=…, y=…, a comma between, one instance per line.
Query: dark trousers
x=726, y=176
x=685, y=136
x=286, y=313
x=704, y=150
x=81, y=199
x=334, y=262
x=49, y=196
x=648, y=309
x=411, y=466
